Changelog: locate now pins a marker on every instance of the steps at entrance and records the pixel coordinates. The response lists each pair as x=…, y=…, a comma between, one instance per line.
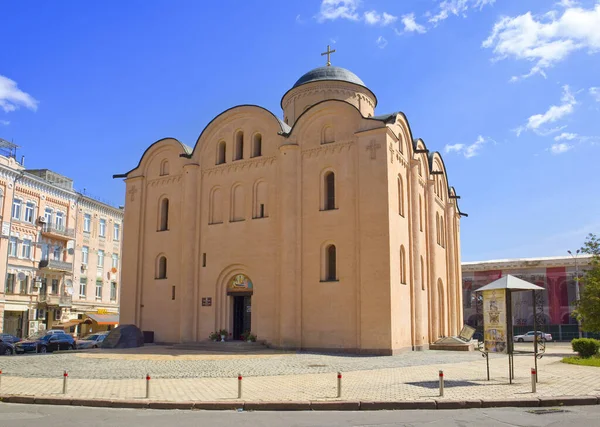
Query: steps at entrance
x=222, y=347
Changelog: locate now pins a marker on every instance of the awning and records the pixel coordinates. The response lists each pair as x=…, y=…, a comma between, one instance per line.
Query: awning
x=104, y=319
x=67, y=324
x=15, y=307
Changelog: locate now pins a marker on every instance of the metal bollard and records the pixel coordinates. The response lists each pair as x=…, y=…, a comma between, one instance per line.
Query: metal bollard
x=0, y=378
x=239, y=386
x=533, y=382
x=339, y=378
x=441, y=383
x=65, y=377
x=147, y=386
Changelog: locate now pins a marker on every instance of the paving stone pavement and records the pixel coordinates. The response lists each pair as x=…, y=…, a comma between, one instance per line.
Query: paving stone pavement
x=276, y=376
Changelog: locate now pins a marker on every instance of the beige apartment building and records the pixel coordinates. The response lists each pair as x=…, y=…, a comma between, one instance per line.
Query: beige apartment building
x=60, y=250
x=331, y=228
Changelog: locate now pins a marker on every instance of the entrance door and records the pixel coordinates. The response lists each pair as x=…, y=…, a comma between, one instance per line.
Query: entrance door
x=242, y=313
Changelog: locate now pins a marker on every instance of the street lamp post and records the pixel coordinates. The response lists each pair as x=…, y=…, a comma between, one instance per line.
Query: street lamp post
x=576, y=284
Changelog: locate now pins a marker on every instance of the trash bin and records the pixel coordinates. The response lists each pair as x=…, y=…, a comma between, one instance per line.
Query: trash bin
x=148, y=337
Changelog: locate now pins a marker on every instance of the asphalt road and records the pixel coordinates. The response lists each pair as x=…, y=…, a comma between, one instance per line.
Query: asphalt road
x=15, y=415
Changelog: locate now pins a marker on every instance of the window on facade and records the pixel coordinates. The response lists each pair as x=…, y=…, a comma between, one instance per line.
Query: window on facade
x=99, y=289
x=221, y=151
x=163, y=224
x=26, y=248
x=257, y=145
x=57, y=252
x=54, y=288
x=161, y=268
x=330, y=263
x=238, y=203
x=442, y=232
x=260, y=199
x=329, y=184
x=115, y=261
x=85, y=251
x=24, y=285
x=117, y=232
x=16, y=209
x=12, y=246
x=422, y=274
x=29, y=212
x=100, y=259
x=82, y=287
x=400, y=196
x=48, y=216
x=216, y=207
x=113, y=291
x=45, y=252
x=239, y=146
x=402, y=265
x=60, y=221
x=420, y=213
x=327, y=135
x=44, y=286
x=10, y=283
x=437, y=228
x=164, y=168
x=102, y=228
x=87, y=223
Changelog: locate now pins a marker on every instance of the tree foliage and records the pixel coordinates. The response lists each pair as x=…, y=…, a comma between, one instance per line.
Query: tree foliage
x=588, y=306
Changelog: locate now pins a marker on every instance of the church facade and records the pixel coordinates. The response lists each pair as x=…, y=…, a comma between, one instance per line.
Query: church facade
x=332, y=229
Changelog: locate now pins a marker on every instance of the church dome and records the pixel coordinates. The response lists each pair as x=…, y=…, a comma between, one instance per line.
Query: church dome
x=329, y=73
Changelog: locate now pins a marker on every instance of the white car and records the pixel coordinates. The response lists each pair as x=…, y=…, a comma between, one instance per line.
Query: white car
x=528, y=337
x=92, y=341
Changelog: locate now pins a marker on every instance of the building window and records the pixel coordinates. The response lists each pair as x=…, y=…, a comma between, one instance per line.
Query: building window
x=100, y=260
x=330, y=263
x=163, y=224
x=164, y=168
x=85, y=251
x=99, y=289
x=239, y=146
x=26, y=248
x=204, y=259
x=12, y=246
x=16, y=209
x=102, y=228
x=24, y=285
x=400, y=196
x=238, y=203
x=10, y=283
x=48, y=216
x=261, y=191
x=54, y=289
x=420, y=213
x=327, y=135
x=257, y=145
x=442, y=232
x=161, y=267
x=60, y=223
x=29, y=212
x=115, y=261
x=113, y=291
x=87, y=223
x=221, y=151
x=402, y=265
x=57, y=253
x=329, y=193
x=216, y=207
x=437, y=228
x=116, y=232
x=82, y=287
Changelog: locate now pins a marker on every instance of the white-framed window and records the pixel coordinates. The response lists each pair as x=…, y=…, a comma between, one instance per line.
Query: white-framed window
x=113, y=291
x=26, y=248
x=87, y=223
x=45, y=251
x=85, y=251
x=100, y=259
x=102, y=228
x=16, y=209
x=48, y=215
x=99, y=289
x=82, y=287
x=60, y=220
x=57, y=252
x=115, y=261
x=29, y=212
x=12, y=246
x=116, y=231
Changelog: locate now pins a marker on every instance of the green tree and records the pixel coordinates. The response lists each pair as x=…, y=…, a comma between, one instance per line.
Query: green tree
x=588, y=306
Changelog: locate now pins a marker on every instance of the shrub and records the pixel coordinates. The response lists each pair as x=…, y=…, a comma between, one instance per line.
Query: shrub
x=586, y=347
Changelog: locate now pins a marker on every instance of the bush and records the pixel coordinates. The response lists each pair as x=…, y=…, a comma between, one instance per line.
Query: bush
x=586, y=347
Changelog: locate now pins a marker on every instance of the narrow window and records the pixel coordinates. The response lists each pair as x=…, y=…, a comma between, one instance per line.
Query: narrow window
x=400, y=196
x=329, y=191
x=16, y=209
x=99, y=289
x=402, y=265
x=102, y=228
x=164, y=168
x=221, y=150
x=238, y=203
x=113, y=291
x=85, y=251
x=262, y=211
x=420, y=213
x=260, y=198
x=161, y=272
x=100, y=260
x=216, y=207
x=173, y=293
x=443, y=232
x=29, y=211
x=257, y=145
x=331, y=272
x=164, y=215
x=239, y=146
x=82, y=287
x=327, y=136
x=116, y=230
x=87, y=223
x=422, y=274
x=204, y=259
x=437, y=227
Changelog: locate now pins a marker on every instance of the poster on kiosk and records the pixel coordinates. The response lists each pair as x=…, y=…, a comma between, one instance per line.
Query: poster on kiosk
x=494, y=321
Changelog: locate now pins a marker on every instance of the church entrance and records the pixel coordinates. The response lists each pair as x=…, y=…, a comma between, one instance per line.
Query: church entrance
x=240, y=290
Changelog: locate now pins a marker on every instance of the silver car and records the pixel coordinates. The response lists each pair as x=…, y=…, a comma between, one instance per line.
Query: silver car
x=91, y=341
x=528, y=337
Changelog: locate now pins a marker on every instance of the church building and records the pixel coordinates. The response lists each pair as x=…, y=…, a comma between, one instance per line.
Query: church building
x=332, y=228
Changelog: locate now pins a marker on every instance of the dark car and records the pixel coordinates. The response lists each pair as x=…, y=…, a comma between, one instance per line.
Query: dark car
x=9, y=338
x=46, y=343
x=6, y=348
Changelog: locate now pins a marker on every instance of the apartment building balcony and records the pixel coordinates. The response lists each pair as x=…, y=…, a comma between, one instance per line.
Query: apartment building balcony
x=54, y=265
x=62, y=233
x=59, y=300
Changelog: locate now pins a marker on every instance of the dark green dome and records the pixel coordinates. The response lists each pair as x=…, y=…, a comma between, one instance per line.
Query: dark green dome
x=329, y=73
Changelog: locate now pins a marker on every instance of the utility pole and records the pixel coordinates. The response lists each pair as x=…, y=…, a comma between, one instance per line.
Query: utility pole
x=576, y=284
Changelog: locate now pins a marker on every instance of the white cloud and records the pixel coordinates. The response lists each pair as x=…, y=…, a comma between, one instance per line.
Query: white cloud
x=381, y=42
x=338, y=9
x=566, y=136
x=4, y=122
x=595, y=92
x=410, y=25
x=388, y=19
x=454, y=147
x=11, y=97
x=468, y=151
x=554, y=113
x=545, y=40
x=457, y=8
x=560, y=148
x=374, y=18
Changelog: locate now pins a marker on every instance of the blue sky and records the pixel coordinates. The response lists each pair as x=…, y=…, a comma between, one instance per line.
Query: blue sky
x=507, y=90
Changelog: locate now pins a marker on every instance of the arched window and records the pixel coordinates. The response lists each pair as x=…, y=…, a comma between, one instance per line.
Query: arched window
x=419, y=166
x=239, y=146
x=420, y=213
x=422, y=274
x=442, y=232
x=329, y=191
x=437, y=228
x=330, y=263
x=259, y=209
x=402, y=265
x=327, y=135
x=216, y=207
x=221, y=151
x=161, y=267
x=400, y=196
x=238, y=203
x=163, y=219
x=164, y=168
x=257, y=145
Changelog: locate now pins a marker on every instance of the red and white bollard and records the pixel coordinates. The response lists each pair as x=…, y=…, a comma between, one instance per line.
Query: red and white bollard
x=65, y=377
x=0, y=378
x=239, y=386
x=533, y=378
x=441, y=383
x=339, y=378
x=148, y=386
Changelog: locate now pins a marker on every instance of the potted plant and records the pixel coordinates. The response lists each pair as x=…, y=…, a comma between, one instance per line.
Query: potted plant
x=251, y=338
x=214, y=336
x=223, y=333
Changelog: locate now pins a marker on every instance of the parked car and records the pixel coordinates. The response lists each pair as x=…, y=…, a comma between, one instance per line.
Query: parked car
x=9, y=338
x=528, y=337
x=6, y=348
x=92, y=341
x=46, y=343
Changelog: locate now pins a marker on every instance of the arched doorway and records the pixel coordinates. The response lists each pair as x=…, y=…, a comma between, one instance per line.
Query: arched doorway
x=239, y=291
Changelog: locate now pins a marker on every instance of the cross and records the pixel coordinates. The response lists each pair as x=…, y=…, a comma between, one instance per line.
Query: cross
x=132, y=193
x=373, y=147
x=328, y=53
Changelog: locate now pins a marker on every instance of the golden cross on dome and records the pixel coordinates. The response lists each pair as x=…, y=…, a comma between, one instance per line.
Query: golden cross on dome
x=328, y=53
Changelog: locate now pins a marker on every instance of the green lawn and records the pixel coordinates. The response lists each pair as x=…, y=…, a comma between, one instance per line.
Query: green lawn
x=592, y=361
